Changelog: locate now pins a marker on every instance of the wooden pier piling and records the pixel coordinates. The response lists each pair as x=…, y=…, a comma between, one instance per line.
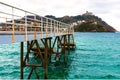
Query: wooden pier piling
x=44, y=53
x=21, y=61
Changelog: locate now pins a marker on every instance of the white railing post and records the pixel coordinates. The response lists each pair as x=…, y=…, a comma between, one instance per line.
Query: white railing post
x=13, y=28
x=72, y=29
x=46, y=26
x=51, y=29
x=41, y=27
x=67, y=29
x=25, y=26
x=57, y=27
x=60, y=28
x=54, y=29
x=34, y=27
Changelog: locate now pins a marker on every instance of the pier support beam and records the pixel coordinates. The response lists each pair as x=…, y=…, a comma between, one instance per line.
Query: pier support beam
x=21, y=61
x=28, y=51
x=47, y=48
x=24, y=61
x=44, y=53
x=64, y=47
x=68, y=43
x=46, y=59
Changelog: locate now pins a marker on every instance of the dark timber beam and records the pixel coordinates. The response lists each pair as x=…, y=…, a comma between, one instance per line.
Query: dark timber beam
x=21, y=61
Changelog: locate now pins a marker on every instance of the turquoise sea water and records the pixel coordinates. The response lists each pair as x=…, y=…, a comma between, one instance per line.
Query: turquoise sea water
x=97, y=56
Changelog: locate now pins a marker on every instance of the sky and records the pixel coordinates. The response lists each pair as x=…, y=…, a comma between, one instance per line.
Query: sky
x=108, y=10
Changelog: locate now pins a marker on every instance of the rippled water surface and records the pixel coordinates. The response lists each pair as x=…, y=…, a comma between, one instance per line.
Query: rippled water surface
x=97, y=56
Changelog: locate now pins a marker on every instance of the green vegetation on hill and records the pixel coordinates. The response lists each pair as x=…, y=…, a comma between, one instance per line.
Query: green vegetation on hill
x=91, y=23
x=90, y=27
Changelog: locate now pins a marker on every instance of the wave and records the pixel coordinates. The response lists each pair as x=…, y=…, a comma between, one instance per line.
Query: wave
x=109, y=76
x=87, y=49
x=82, y=76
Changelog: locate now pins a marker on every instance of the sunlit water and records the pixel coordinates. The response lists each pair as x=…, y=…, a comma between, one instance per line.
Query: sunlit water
x=97, y=56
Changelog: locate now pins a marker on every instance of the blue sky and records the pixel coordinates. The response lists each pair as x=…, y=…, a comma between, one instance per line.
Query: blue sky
x=108, y=10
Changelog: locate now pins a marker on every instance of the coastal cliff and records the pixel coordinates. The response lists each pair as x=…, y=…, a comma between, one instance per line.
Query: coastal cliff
x=86, y=22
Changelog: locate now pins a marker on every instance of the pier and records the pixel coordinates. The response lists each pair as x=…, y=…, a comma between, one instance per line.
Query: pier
x=44, y=37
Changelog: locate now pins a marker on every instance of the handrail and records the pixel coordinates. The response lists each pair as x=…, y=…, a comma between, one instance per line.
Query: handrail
x=33, y=23
x=28, y=11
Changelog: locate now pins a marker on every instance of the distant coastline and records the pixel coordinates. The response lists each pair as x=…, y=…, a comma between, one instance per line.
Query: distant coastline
x=86, y=22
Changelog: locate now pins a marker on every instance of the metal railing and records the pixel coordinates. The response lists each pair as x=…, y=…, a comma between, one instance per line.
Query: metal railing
x=15, y=21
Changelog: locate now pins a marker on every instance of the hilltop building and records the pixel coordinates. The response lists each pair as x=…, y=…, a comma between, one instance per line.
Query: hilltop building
x=88, y=13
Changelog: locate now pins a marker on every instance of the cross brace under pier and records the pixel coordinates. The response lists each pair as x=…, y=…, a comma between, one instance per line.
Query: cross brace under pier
x=44, y=52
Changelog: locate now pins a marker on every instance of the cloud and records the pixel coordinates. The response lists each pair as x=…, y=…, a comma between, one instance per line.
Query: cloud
x=108, y=10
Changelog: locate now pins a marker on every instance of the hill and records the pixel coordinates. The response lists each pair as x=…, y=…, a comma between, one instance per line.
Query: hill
x=86, y=22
